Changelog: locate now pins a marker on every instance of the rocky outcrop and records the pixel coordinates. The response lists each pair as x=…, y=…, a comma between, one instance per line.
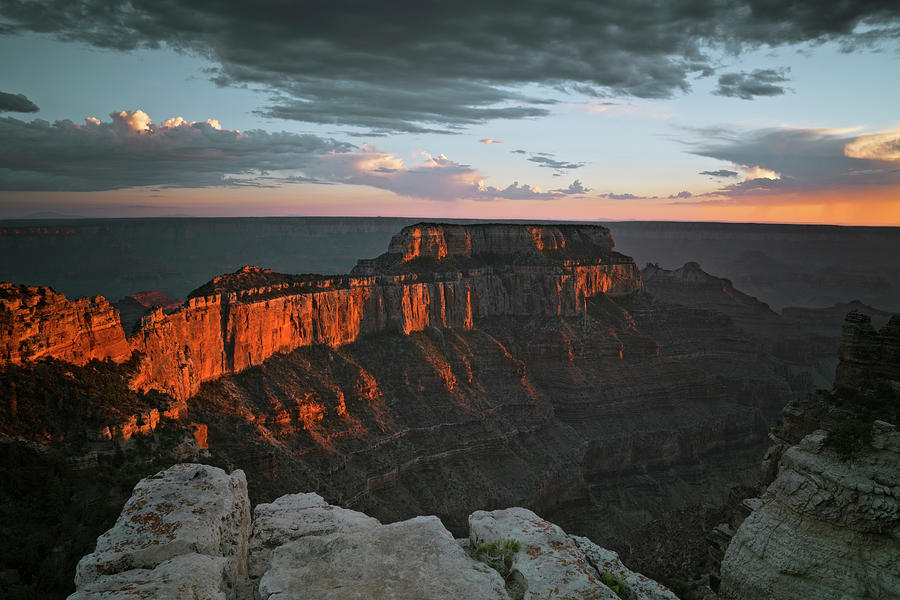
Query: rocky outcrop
x=867, y=355
x=242, y=319
x=409, y=560
x=185, y=577
x=805, y=340
x=184, y=535
x=36, y=322
x=824, y=529
x=692, y=286
x=295, y=516
x=439, y=241
x=551, y=564
x=827, y=524
x=866, y=387
x=184, y=531
x=134, y=306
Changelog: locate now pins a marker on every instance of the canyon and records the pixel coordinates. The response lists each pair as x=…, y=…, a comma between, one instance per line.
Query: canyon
x=470, y=367
x=253, y=313
x=784, y=265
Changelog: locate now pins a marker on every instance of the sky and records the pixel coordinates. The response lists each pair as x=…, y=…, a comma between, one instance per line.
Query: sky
x=699, y=110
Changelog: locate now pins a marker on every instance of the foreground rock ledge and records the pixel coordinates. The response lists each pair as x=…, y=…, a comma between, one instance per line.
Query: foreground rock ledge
x=186, y=533
x=825, y=528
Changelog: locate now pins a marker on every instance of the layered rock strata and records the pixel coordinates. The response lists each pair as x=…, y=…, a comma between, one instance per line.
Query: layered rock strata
x=184, y=535
x=868, y=355
x=243, y=319
x=36, y=322
x=439, y=241
x=827, y=524
x=692, y=286
x=824, y=529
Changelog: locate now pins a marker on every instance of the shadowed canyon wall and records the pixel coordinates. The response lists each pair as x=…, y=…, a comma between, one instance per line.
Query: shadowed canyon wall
x=827, y=521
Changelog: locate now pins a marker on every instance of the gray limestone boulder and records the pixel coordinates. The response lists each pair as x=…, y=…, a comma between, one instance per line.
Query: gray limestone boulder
x=186, y=509
x=551, y=564
x=634, y=585
x=185, y=577
x=825, y=528
x=185, y=533
x=416, y=559
x=295, y=516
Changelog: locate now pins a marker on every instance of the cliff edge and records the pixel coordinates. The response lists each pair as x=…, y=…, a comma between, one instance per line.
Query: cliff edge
x=827, y=524
x=239, y=320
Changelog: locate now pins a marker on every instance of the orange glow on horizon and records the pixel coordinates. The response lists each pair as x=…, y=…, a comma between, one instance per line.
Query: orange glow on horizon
x=861, y=206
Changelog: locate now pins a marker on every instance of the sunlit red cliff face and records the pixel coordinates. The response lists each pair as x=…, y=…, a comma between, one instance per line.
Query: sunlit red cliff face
x=36, y=322
x=242, y=319
x=440, y=241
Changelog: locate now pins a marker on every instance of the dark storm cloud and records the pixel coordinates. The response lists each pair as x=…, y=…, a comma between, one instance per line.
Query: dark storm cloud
x=383, y=109
x=130, y=151
x=761, y=82
x=16, y=103
x=803, y=160
x=720, y=173
x=422, y=66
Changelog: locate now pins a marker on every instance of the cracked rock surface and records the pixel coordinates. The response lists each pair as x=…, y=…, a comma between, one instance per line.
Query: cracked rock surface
x=825, y=528
x=186, y=533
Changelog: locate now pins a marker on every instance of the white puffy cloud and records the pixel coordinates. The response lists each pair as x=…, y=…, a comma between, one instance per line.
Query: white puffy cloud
x=884, y=146
x=431, y=177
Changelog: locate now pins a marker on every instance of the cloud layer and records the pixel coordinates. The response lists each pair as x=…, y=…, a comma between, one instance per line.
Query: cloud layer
x=747, y=86
x=414, y=66
x=803, y=161
x=130, y=150
x=720, y=173
x=432, y=178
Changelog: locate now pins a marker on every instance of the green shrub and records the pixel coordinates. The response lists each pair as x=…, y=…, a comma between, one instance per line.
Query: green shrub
x=612, y=582
x=848, y=437
x=497, y=555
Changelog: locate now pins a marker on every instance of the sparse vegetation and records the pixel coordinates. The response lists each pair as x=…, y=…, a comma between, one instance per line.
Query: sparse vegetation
x=612, y=581
x=53, y=400
x=848, y=437
x=497, y=555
